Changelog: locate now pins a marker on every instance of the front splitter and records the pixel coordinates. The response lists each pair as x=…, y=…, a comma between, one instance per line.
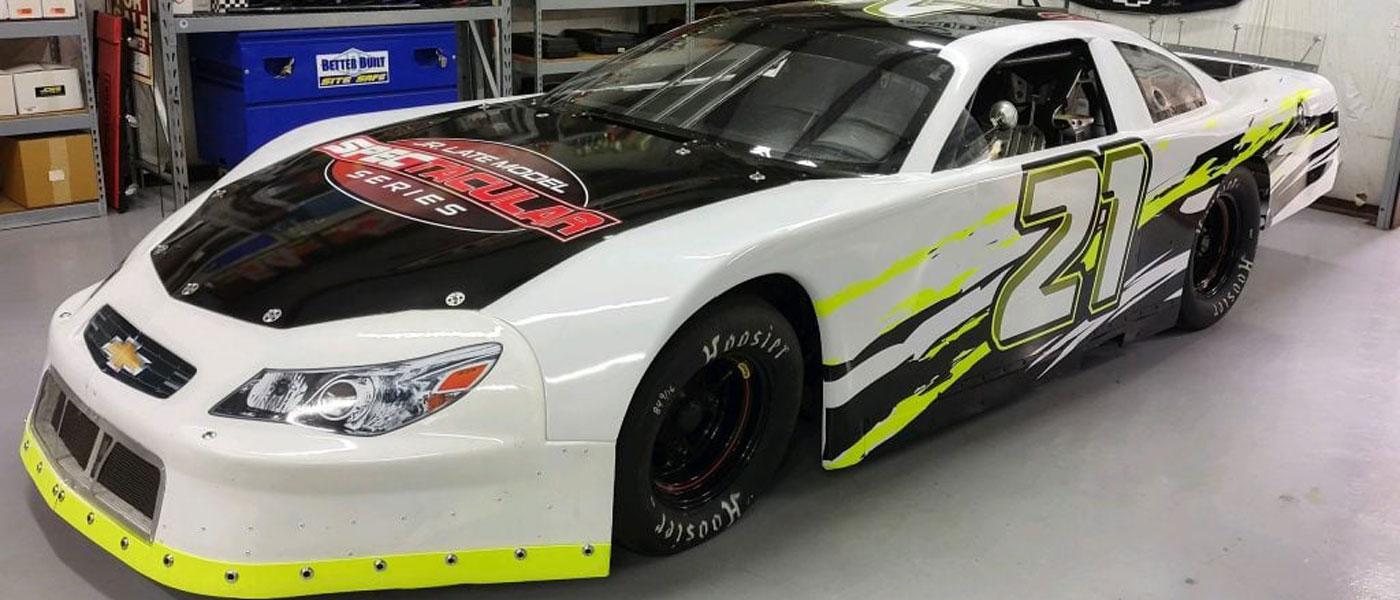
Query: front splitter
x=173, y=568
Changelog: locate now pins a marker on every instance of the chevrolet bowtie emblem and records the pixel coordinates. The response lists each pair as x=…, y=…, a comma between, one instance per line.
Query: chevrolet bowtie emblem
x=125, y=355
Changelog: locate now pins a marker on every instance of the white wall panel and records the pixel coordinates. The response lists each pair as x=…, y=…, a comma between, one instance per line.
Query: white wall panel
x=1360, y=54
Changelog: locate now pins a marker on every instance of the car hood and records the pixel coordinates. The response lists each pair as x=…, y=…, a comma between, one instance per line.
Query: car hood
x=453, y=210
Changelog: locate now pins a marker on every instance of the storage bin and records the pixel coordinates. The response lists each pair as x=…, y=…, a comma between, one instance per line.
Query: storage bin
x=250, y=87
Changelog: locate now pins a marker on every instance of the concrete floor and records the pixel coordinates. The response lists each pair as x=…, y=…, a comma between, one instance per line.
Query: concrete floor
x=1260, y=459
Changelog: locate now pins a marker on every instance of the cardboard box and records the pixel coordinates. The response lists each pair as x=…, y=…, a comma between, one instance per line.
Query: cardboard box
x=48, y=171
x=7, y=94
x=59, y=9
x=46, y=88
x=26, y=9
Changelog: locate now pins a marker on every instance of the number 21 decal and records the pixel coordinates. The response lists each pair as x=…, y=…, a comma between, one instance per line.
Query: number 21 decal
x=1085, y=240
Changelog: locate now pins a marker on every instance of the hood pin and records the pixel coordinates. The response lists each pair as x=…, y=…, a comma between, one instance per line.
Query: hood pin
x=456, y=299
x=272, y=315
x=757, y=176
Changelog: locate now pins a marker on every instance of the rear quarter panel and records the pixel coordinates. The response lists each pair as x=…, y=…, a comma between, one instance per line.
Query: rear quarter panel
x=1303, y=164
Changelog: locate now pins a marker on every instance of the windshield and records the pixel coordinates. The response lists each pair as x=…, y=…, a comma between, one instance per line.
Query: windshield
x=827, y=92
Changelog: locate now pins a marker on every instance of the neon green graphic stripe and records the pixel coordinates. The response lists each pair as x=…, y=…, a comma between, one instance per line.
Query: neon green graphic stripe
x=1091, y=255
x=907, y=410
x=922, y=299
x=953, y=337
x=829, y=305
x=1321, y=130
x=1254, y=141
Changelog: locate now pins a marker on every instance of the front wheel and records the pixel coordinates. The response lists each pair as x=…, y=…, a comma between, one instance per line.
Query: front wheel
x=707, y=428
x=1222, y=256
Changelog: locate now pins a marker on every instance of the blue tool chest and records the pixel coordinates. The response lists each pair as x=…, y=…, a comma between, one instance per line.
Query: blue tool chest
x=251, y=87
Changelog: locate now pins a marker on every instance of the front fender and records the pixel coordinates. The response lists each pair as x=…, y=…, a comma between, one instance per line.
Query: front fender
x=597, y=320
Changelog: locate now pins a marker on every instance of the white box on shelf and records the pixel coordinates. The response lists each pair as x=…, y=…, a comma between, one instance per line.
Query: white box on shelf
x=59, y=9
x=46, y=88
x=7, y=94
x=26, y=9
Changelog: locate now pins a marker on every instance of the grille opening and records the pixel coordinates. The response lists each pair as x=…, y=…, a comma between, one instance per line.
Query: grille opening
x=104, y=469
x=78, y=433
x=57, y=417
x=131, y=478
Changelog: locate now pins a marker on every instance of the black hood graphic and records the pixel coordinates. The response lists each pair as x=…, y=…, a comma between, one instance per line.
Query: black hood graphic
x=307, y=240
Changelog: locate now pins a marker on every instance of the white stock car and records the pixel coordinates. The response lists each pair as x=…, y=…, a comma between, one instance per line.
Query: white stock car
x=483, y=342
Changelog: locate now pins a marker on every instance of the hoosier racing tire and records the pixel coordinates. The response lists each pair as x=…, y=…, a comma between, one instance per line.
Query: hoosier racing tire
x=1222, y=255
x=708, y=427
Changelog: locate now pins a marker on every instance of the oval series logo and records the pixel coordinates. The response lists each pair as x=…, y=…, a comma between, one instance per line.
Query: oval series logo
x=471, y=185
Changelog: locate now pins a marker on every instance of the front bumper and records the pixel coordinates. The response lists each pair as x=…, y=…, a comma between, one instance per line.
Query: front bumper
x=472, y=494
x=183, y=571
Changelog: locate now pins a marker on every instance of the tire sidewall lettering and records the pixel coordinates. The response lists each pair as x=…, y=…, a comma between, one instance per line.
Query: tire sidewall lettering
x=677, y=529
x=765, y=341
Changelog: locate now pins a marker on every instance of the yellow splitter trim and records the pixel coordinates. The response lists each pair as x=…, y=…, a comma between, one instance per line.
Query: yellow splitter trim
x=182, y=571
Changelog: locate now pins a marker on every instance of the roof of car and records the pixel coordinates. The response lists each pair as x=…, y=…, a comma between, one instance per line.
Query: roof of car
x=950, y=19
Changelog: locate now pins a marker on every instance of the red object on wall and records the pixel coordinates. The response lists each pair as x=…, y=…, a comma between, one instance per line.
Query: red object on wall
x=110, y=79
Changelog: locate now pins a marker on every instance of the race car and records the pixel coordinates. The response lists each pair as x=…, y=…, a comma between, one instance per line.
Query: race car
x=484, y=342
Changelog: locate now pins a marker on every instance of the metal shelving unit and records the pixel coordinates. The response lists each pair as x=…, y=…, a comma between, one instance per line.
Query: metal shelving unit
x=538, y=67
x=37, y=28
x=484, y=71
x=83, y=120
x=45, y=123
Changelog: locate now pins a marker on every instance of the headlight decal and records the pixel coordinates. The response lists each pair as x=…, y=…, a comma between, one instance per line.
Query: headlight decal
x=362, y=401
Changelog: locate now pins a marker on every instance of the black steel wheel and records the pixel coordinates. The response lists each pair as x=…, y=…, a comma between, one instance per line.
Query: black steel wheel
x=711, y=433
x=708, y=427
x=1216, y=238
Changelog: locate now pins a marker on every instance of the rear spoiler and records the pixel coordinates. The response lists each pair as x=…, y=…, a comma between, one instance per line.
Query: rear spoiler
x=1225, y=65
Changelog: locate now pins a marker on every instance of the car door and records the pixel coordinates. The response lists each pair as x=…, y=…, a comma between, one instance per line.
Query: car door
x=1073, y=182
x=1020, y=251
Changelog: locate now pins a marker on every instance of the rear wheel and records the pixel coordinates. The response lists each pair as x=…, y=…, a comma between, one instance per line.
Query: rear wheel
x=1222, y=256
x=708, y=427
